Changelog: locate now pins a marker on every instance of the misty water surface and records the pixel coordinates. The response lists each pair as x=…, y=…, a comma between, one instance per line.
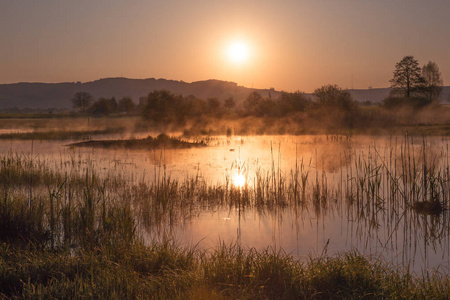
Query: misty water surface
x=393, y=231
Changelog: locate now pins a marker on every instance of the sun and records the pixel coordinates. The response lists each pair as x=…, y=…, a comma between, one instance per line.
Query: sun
x=238, y=52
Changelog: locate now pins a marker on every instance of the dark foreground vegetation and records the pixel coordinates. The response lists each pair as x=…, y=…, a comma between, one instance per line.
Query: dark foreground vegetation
x=70, y=233
x=165, y=271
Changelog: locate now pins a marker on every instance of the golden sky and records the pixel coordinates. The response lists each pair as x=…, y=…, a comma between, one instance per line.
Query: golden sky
x=291, y=45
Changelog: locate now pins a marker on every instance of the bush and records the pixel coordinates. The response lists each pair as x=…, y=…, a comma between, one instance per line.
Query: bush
x=396, y=102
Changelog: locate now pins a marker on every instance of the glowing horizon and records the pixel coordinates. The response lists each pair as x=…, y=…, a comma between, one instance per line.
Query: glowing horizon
x=294, y=46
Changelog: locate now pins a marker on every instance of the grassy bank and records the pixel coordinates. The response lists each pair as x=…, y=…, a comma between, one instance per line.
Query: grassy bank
x=166, y=271
x=374, y=121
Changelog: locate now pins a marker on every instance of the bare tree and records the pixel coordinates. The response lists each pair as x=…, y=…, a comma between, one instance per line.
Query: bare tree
x=81, y=101
x=407, y=77
x=432, y=81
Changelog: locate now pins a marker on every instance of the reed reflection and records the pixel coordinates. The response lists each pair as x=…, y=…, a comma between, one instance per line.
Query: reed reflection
x=376, y=201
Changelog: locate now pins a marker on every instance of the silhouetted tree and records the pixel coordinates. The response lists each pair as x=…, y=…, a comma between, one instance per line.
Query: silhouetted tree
x=293, y=102
x=252, y=102
x=432, y=81
x=82, y=101
x=334, y=108
x=332, y=96
x=229, y=103
x=126, y=104
x=268, y=107
x=103, y=106
x=407, y=78
x=193, y=107
x=213, y=105
x=113, y=104
x=163, y=106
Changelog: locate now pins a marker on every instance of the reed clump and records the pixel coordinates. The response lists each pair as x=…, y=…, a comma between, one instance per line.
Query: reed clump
x=62, y=135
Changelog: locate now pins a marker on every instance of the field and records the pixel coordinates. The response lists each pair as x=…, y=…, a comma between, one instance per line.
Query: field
x=273, y=216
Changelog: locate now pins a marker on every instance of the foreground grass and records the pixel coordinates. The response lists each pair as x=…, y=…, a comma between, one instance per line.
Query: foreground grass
x=167, y=271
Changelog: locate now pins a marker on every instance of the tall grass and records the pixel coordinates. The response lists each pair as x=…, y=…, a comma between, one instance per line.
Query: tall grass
x=78, y=234
x=74, y=203
x=170, y=272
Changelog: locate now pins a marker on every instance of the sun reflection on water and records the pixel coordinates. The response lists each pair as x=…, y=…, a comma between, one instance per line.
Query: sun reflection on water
x=239, y=180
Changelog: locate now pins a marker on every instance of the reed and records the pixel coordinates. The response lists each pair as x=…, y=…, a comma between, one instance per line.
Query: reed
x=82, y=234
x=77, y=203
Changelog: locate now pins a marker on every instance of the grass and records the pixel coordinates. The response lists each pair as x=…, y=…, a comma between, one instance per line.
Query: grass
x=67, y=232
x=58, y=134
x=64, y=127
x=162, y=141
x=169, y=272
x=374, y=121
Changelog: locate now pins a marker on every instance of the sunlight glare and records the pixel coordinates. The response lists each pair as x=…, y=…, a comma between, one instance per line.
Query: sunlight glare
x=239, y=180
x=238, y=52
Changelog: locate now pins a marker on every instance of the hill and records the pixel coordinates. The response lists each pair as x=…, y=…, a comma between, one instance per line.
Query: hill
x=57, y=95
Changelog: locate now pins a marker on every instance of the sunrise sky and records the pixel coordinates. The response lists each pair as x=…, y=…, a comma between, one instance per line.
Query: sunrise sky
x=288, y=45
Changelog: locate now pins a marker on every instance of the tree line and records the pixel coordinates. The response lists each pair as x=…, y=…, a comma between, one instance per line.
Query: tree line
x=161, y=104
x=84, y=102
x=410, y=85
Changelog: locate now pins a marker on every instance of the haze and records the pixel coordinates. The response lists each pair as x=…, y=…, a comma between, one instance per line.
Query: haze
x=295, y=45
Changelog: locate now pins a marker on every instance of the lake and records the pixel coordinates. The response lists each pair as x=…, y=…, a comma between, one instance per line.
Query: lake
x=304, y=195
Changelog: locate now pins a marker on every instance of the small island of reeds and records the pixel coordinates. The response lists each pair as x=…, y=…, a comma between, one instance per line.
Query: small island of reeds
x=162, y=141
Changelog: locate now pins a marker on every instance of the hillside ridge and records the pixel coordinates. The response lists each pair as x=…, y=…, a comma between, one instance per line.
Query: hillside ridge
x=38, y=95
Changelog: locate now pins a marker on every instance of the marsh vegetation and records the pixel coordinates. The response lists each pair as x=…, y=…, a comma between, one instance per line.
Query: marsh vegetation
x=311, y=216
x=162, y=141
